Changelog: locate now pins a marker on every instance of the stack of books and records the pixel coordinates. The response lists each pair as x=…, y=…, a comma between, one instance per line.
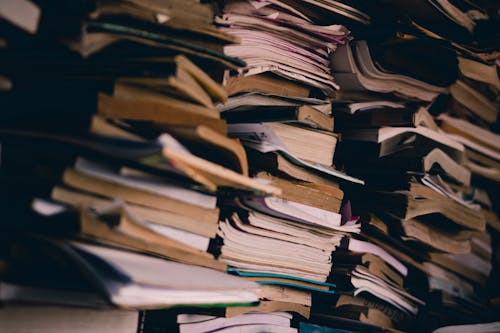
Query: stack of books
x=249, y=166
x=113, y=155
x=423, y=248
x=287, y=76
x=302, y=246
x=412, y=128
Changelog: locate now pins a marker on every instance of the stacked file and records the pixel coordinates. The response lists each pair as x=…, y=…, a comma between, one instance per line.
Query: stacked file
x=284, y=243
x=301, y=246
x=426, y=199
x=113, y=156
x=249, y=166
x=287, y=76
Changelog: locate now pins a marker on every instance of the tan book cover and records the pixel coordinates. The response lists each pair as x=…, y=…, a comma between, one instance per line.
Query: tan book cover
x=125, y=235
x=136, y=196
x=79, y=199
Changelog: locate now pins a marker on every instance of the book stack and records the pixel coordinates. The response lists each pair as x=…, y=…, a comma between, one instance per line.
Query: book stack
x=278, y=106
x=302, y=246
x=249, y=166
x=287, y=76
x=113, y=155
x=408, y=118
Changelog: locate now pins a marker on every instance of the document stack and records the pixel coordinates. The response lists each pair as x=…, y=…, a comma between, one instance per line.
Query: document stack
x=112, y=158
x=302, y=246
x=249, y=166
x=409, y=117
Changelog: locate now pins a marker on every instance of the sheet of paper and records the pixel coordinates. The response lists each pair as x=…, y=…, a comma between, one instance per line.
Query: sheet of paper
x=366, y=247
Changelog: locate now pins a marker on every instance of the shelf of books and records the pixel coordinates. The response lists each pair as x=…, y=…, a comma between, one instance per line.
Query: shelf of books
x=246, y=166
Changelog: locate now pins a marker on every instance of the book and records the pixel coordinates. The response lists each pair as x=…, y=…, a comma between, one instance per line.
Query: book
x=441, y=239
x=200, y=323
x=478, y=71
x=298, y=141
x=474, y=101
x=356, y=71
x=375, y=265
x=256, y=99
x=210, y=173
x=187, y=81
x=109, y=189
x=153, y=107
x=413, y=141
x=126, y=274
x=266, y=225
x=115, y=225
x=442, y=279
x=263, y=139
x=469, y=266
x=439, y=20
x=26, y=15
x=335, y=9
x=379, y=114
x=369, y=316
x=271, y=306
x=392, y=171
x=276, y=164
x=200, y=14
x=356, y=283
x=271, y=254
x=308, y=67
x=132, y=233
x=298, y=212
x=302, y=115
x=360, y=246
x=355, y=304
x=99, y=35
x=410, y=57
x=469, y=131
x=207, y=143
x=77, y=199
x=107, y=127
x=286, y=294
x=181, y=162
x=265, y=83
x=317, y=195
x=424, y=200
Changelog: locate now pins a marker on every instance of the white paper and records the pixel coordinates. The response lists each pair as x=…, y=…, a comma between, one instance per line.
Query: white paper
x=182, y=236
x=366, y=247
x=47, y=208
